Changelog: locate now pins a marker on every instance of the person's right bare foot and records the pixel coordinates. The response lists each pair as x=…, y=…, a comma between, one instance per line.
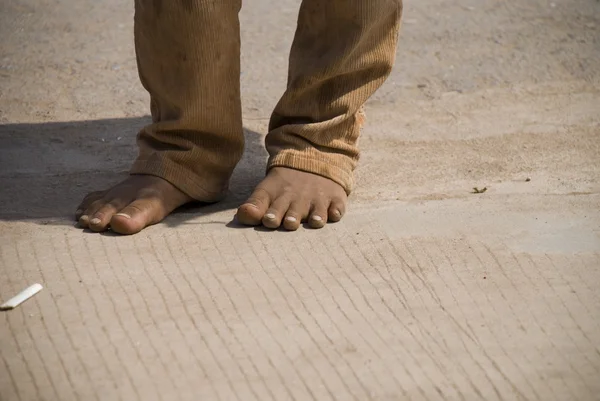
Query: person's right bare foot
x=130, y=206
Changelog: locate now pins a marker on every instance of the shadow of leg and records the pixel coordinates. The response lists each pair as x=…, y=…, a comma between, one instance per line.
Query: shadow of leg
x=47, y=168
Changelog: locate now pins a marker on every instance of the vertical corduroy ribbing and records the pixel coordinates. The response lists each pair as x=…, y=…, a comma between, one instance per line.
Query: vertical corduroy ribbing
x=188, y=56
x=342, y=53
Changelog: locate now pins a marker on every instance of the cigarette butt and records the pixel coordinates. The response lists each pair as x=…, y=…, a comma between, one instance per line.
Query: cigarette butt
x=21, y=297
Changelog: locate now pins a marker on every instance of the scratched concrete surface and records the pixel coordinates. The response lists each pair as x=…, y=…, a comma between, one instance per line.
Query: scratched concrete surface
x=424, y=292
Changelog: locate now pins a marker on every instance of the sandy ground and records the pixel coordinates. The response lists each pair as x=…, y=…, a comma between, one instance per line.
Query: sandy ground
x=425, y=291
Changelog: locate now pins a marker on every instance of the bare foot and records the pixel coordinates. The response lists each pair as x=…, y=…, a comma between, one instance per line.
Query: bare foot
x=288, y=197
x=130, y=206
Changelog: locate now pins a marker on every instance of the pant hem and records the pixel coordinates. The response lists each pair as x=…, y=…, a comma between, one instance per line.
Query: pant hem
x=183, y=179
x=340, y=175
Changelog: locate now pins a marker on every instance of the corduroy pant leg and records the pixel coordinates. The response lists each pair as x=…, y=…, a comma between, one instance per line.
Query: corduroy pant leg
x=188, y=55
x=342, y=53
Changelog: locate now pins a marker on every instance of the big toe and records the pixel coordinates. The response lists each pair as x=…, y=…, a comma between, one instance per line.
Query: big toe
x=136, y=216
x=252, y=211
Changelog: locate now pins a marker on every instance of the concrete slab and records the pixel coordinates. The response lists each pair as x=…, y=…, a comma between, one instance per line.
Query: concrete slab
x=425, y=291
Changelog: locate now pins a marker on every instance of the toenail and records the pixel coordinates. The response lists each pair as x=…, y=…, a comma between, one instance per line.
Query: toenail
x=95, y=220
x=84, y=217
x=270, y=216
x=123, y=215
x=291, y=219
x=337, y=213
x=317, y=218
x=78, y=211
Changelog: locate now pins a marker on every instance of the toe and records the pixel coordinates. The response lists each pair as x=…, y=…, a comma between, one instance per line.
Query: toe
x=136, y=216
x=318, y=216
x=252, y=211
x=296, y=213
x=100, y=220
x=291, y=222
x=336, y=211
x=86, y=215
x=275, y=213
x=86, y=203
x=83, y=220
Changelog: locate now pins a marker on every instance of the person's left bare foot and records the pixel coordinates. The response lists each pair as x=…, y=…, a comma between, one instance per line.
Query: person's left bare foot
x=288, y=197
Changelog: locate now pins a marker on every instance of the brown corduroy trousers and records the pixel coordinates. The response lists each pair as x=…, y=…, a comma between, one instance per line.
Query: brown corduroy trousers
x=188, y=54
